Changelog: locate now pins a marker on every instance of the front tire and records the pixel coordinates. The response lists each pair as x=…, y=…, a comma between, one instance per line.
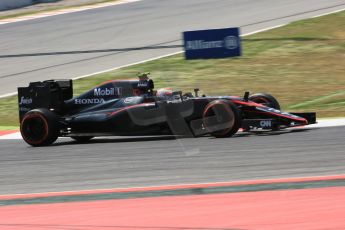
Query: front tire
x=265, y=99
x=221, y=118
x=39, y=127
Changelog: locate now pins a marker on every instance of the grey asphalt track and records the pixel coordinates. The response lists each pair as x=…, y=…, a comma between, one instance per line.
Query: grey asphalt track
x=115, y=163
x=144, y=23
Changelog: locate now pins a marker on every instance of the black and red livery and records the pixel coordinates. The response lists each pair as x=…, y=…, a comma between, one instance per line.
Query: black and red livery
x=48, y=110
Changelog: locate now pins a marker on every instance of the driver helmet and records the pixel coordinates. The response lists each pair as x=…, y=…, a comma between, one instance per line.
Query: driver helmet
x=164, y=93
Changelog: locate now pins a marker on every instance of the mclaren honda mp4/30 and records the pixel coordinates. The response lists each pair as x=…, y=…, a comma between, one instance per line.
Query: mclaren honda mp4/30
x=48, y=110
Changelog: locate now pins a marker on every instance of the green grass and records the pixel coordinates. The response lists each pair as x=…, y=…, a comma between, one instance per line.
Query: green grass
x=8, y=112
x=302, y=64
x=48, y=9
x=9, y=128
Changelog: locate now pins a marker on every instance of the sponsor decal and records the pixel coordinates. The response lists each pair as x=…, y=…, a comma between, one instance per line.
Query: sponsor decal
x=143, y=84
x=229, y=42
x=107, y=92
x=23, y=109
x=266, y=124
x=89, y=101
x=201, y=45
x=213, y=43
x=25, y=101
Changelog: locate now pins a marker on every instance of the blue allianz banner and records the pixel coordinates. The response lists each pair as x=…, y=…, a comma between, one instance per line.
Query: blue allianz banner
x=215, y=43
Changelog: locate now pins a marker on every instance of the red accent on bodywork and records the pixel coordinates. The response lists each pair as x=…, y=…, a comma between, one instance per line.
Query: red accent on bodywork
x=250, y=103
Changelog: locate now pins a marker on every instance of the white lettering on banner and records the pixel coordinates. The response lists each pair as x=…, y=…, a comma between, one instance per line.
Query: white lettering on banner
x=25, y=101
x=89, y=101
x=107, y=92
x=229, y=42
x=201, y=44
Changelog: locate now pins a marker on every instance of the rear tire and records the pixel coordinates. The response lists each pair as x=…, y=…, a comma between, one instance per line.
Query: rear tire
x=221, y=118
x=82, y=139
x=265, y=99
x=39, y=127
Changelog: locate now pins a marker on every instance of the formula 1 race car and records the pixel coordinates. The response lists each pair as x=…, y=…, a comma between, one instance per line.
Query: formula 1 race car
x=48, y=110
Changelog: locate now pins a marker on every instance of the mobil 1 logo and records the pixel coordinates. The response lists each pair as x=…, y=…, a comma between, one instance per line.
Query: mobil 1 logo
x=114, y=91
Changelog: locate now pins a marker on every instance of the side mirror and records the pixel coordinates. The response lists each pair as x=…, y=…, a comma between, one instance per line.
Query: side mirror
x=246, y=96
x=196, y=92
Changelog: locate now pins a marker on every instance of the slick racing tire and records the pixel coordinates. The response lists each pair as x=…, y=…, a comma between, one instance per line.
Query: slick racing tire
x=221, y=118
x=265, y=99
x=82, y=139
x=39, y=127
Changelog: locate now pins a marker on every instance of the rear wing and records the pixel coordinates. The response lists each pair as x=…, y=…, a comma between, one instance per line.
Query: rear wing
x=49, y=94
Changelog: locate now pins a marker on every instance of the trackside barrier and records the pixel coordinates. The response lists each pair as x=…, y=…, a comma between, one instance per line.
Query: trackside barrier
x=12, y=4
x=214, y=43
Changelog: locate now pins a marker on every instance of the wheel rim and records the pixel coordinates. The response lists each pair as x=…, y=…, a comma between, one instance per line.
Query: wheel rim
x=219, y=118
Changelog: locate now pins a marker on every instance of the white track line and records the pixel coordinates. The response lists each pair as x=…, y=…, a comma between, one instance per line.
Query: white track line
x=12, y=136
x=65, y=11
x=322, y=123
x=127, y=65
x=166, y=55
x=162, y=56
x=265, y=29
x=8, y=94
x=147, y=60
x=335, y=11
x=176, y=186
